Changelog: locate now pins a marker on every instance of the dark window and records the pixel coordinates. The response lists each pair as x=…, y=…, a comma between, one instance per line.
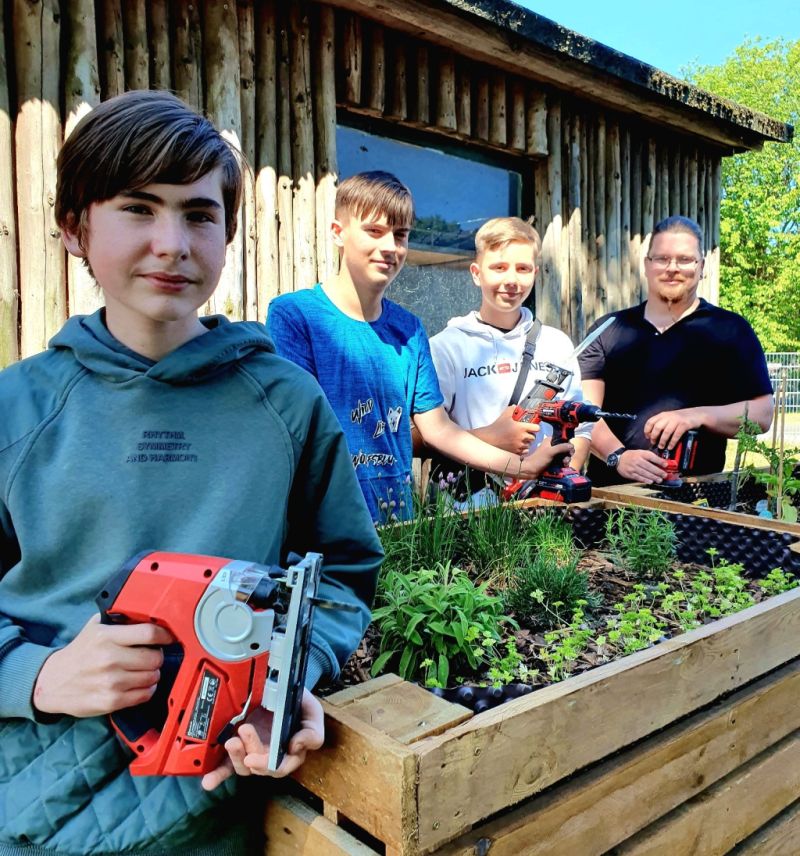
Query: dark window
x=455, y=193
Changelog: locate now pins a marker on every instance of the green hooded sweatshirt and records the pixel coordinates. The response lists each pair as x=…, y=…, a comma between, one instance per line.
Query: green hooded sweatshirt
x=220, y=448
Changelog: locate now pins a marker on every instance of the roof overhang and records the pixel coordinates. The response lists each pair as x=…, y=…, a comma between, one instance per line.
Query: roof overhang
x=507, y=36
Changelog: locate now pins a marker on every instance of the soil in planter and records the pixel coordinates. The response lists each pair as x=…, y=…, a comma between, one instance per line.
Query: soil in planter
x=623, y=611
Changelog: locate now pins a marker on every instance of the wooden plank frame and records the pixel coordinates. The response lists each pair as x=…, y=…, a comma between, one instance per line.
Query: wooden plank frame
x=430, y=794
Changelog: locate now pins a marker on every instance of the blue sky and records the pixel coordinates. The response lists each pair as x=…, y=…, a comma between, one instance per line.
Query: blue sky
x=672, y=33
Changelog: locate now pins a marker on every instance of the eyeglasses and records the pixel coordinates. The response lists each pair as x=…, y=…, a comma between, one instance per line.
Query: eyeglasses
x=681, y=262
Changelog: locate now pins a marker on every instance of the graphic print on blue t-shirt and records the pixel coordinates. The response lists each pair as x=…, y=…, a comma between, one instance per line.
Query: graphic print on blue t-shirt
x=376, y=375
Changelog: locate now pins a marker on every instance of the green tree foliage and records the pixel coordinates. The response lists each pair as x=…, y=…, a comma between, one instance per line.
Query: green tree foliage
x=760, y=209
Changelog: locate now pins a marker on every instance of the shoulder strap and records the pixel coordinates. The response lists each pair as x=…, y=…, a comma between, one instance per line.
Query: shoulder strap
x=527, y=356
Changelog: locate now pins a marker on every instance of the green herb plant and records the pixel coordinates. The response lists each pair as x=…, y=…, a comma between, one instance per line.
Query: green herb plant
x=432, y=535
x=778, y=465
x=434, y=622
x=495, y=539
x=636, y=624
x=563, y=646
x=547, y=589
x=777, y=581
x=641, y=541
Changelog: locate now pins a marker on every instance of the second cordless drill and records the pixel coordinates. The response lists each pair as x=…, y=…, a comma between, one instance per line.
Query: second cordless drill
x=563, y=484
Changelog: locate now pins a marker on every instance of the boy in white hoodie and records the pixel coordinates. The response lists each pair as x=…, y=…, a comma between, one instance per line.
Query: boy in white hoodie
x=478, y=356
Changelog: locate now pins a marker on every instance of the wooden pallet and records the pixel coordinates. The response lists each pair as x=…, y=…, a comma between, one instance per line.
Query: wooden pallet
x=691, y=746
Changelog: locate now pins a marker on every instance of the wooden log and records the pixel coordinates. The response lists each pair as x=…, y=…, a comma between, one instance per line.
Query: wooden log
x=637, y=229
x=684, y=182
x=536, y=123
x=285, y=191
x=111, y=48
x=351, y=58
x=420, y=84
x=674, y=180
x=663, y=182
x=678, y=676
x=498, y=109
x=592, y=306
x=716, y=198
x=708, y=240
x=576, y=280
x=266, y=163
x=586, y=316
x=82, y=92
x=482, y=107
x=548, y=302
x=446, y=92
x=692, y=179
x=247, y=95
x=601, y=188
x=517, y=117
x=375, y=52
x=43, y=298
x=187, y=54
x=701, y=192
x=9, y=283
x=224, y=108
x=327, y=171
x=613, y=209
x=649, y=167
x=564, y=266
x=726, y=813
x=644, y=783
x=626, y=278
x=397, y=72
x=463, y=98
x=137, y=60
x=304, y=203
x=159, y=41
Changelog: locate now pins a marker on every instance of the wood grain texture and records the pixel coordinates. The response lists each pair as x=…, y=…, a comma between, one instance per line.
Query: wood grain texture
x=670, y=680
x=38, y=133
x=9, y=282
x=727, y=812
x=640, y=785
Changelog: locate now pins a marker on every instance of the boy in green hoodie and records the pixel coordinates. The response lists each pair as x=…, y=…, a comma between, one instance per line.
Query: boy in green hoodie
x=145, y=427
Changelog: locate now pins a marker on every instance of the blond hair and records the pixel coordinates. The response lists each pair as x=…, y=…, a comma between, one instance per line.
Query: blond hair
x=375, y=194
x=501, y=231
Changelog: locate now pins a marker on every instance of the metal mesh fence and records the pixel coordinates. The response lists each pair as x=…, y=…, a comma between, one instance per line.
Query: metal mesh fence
x=788, y=362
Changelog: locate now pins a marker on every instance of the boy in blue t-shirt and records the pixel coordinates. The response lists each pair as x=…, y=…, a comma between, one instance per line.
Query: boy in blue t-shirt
x=371, y=356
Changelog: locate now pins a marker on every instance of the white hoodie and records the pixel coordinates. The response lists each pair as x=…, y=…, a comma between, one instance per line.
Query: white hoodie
x=478, y=366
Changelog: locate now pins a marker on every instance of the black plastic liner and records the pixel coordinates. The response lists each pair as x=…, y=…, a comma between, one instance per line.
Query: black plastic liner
x=716, y=493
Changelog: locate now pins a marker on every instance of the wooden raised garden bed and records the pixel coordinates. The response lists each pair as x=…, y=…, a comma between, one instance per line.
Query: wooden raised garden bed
x=711, y=493
x=689, y=746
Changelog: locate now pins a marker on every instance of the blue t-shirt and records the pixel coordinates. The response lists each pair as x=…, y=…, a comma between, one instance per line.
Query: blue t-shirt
x=375, y=374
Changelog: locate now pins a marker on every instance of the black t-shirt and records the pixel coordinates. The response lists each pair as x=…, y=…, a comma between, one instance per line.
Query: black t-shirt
x=711, y=357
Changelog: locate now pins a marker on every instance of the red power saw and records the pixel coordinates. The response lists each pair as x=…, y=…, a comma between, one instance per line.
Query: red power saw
x=242, y=632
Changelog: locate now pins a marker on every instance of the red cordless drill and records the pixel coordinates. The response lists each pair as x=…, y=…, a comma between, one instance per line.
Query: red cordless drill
x=680, y=459
x=242, y=634
x=563, y=484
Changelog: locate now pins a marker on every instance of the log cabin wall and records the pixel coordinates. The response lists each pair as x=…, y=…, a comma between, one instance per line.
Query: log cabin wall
x=274, y=76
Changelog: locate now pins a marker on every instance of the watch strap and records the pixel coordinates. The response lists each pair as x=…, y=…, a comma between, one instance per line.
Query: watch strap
x=615, y=454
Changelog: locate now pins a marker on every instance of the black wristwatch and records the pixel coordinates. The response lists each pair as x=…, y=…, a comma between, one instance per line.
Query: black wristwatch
x=612, y=461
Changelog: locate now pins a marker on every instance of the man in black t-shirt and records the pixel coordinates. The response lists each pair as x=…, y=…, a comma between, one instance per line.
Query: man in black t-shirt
x=676, y=361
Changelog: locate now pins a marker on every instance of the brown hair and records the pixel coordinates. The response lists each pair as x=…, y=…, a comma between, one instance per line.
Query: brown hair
x=375, y=194
x=137, y=138
x=677, y=223
x=501, y=231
